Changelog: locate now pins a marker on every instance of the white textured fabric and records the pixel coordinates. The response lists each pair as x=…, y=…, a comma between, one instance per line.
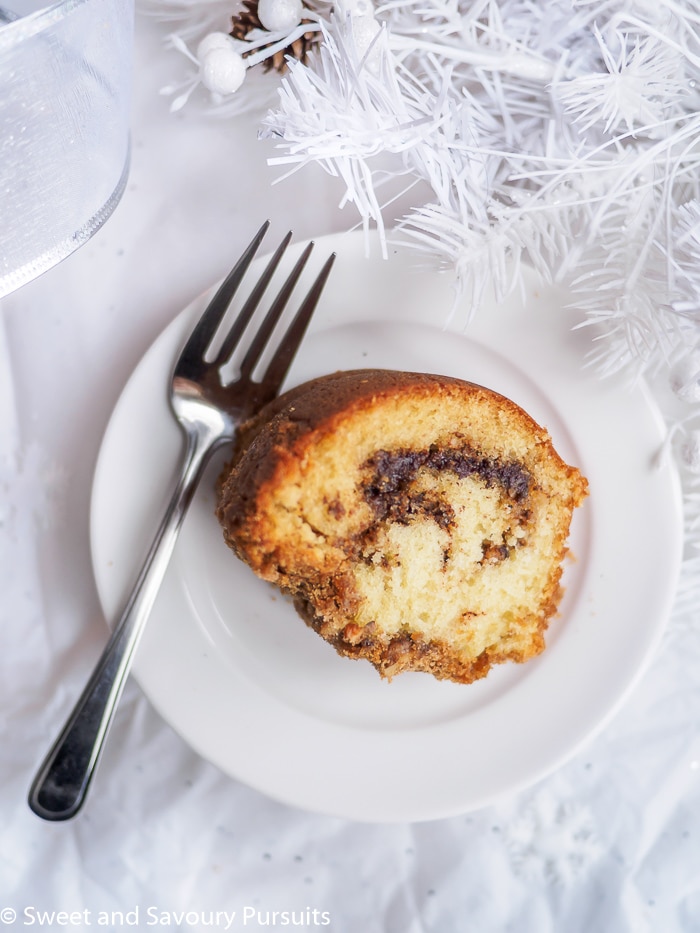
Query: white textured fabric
x=610, y=842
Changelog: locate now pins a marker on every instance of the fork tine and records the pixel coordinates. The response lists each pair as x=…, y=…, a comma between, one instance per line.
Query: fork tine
x=210, y=320
x=262, y=335
x=286, y=351
x=231, y=339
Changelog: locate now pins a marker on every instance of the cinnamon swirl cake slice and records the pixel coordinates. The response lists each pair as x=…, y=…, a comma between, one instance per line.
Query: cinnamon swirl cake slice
x=418, y=521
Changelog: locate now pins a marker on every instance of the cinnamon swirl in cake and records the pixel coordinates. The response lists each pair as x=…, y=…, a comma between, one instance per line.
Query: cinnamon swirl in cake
x=418, y=521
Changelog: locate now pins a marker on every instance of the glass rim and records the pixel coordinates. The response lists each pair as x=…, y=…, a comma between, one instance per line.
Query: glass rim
x=23, y=28
x=50, y=257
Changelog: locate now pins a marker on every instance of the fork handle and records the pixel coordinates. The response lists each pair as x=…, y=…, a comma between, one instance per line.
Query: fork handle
x=61, y=784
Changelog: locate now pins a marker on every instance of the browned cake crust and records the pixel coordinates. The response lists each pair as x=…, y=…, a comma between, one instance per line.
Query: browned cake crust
x=418, y=521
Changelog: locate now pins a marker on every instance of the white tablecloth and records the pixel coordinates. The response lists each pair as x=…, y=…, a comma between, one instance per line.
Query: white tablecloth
x=610, y=842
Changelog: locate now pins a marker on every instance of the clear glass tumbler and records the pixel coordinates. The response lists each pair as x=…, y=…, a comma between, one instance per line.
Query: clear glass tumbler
x=65, y=88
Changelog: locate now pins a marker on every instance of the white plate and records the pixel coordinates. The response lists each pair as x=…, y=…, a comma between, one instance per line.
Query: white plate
x=229, y=665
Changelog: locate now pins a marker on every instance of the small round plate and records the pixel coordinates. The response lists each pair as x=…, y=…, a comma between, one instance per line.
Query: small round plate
x=225, y=659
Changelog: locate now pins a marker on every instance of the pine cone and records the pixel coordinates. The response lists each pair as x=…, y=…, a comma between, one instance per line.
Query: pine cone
x=248, y=19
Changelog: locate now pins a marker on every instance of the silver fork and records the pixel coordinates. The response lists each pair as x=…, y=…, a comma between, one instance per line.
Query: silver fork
x=209, y=411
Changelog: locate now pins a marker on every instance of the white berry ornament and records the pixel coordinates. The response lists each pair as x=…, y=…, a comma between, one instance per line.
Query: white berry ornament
x=685, y=377
x=364, y=31
x=222, y=69
x=280, y=15
x=690, y=451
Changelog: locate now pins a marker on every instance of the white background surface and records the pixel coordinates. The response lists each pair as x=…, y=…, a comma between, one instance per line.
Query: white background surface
x=610, y=842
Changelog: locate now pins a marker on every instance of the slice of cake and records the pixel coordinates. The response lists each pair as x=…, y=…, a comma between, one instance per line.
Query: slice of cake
x=418, y=521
